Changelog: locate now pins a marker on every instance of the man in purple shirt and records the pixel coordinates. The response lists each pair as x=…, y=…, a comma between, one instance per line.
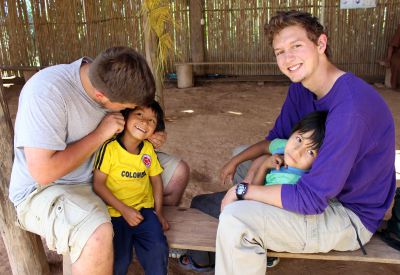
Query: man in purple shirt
x=340, y=203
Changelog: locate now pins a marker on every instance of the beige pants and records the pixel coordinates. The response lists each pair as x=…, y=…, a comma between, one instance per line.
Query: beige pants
x=248, y=228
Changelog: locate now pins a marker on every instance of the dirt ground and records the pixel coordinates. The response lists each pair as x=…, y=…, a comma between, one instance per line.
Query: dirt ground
x=204, y=124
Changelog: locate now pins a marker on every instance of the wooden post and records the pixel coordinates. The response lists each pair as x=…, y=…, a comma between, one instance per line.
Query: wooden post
x=25, y=250
x=184, y=75
x=197, y=34
x=388, y=73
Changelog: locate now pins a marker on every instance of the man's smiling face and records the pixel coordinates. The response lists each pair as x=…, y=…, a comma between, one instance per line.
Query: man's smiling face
x=296, y=55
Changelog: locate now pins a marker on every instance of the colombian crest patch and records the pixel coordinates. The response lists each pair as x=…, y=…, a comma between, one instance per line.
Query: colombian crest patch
x=146, y=160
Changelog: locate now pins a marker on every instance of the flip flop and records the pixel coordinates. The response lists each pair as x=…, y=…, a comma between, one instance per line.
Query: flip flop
x=176, y=252
x=191, y=265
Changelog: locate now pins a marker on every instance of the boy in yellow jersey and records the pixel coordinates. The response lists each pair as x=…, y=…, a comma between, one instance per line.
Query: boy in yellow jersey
x=127, y=177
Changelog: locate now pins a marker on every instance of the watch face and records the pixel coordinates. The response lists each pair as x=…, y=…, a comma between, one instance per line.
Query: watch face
x=241, y=188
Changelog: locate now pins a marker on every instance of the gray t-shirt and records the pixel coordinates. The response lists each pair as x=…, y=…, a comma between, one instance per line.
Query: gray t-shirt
x=53, y=111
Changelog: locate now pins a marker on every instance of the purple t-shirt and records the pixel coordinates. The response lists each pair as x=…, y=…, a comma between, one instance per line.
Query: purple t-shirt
x=356, y=161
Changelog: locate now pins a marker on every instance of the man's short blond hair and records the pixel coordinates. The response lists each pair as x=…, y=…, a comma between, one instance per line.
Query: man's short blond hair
x=123, y=75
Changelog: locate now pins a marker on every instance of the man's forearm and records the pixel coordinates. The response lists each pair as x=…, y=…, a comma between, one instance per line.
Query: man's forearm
x=261, y=193
x=46, y=166
x=266, y=194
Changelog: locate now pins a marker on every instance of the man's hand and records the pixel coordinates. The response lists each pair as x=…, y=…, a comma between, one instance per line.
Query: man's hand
x=44, y=165
x=163, y=221
x=158, y=139
x=132, y=216
x=227, y=172
x=112, y=123
x=230, y=197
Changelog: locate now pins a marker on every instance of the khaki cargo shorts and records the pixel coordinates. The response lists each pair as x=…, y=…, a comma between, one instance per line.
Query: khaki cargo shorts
x=169, y=164
x=65, y=215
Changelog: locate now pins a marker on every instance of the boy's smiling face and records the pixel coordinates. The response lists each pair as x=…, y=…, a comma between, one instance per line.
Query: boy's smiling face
x=141, y=123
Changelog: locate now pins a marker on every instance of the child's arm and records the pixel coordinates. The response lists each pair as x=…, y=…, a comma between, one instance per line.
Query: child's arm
x=131, y=215
x=259, y=177
x=157, y=185
x=270, y=162
x=251, y=153
x=254, y=168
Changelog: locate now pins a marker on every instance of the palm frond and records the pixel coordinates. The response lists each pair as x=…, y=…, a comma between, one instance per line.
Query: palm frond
x=158, y=18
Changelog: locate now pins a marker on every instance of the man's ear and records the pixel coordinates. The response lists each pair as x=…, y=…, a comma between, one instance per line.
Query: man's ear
x=322, y=42
x=100, y=96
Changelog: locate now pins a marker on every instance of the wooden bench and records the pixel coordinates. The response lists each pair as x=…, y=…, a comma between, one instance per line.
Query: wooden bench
x=184, y=71
x=192, y=229
x=27, y=71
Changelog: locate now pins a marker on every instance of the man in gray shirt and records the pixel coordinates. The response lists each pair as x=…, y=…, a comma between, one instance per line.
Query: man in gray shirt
x=65, y=113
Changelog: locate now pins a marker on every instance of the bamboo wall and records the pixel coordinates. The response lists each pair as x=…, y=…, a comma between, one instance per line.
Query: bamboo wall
x=46, y=32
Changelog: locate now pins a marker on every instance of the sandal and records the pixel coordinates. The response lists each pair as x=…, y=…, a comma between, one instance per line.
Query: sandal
x=272, y=261
x=176, y=253
x=186, y=262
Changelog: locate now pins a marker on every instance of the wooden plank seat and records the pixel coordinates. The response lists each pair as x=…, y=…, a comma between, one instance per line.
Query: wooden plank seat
x=27, y=71
x=192, y=229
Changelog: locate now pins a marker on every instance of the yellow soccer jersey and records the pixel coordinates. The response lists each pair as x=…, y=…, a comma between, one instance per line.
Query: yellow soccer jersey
x=128, y=174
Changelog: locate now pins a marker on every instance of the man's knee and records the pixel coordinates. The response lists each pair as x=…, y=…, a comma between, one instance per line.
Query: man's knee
x=179, y=178
x=228, y=225
x=228, y=216
x=96, y=256
x=99, y=243
x=182, y=171
x=236, y=215
x=102, y=235
x=174, y=189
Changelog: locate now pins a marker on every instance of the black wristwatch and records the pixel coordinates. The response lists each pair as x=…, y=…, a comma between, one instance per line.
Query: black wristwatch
x=241, y=190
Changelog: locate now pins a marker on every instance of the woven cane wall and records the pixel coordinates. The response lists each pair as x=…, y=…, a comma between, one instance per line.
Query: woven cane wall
x=46, y=32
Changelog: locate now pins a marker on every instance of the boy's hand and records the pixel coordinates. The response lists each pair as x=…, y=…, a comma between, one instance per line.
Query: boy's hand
x=132, y=216
x=112, y=123
x=163, y=221
x=227, y=172
x=158, y=139
x=274, y=162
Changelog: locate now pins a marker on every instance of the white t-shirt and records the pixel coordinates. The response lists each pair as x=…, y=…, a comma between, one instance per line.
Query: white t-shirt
x=53, y=111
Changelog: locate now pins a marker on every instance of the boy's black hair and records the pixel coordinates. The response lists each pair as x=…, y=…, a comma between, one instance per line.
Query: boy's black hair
x=156, y=108
x=315, y=122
